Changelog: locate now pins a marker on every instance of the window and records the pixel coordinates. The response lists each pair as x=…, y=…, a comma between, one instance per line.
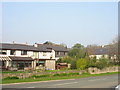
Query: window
x=12, y=52
x=3, y=52
x=24, y=52
x=58, y=53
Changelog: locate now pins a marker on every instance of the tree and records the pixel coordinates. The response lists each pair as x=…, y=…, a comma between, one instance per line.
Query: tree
x=77, y=53
x=73, y=64
x=64, y=45
x=78, y=46
x=48, y=43
x=81, y=63
x=67, y=59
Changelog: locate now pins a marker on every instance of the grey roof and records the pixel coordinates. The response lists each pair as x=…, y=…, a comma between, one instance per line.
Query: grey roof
x=54, y=47
x=100, y=51
x=20, y=58
x=22, y=47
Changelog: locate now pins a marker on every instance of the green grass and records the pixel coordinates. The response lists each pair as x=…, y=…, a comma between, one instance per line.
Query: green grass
x=33, y=79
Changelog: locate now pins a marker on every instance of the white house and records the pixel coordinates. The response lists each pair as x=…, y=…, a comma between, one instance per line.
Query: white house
x=23, y=55
x=99, y=53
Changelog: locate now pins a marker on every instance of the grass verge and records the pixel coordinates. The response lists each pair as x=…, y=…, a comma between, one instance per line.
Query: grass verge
x=31, y=79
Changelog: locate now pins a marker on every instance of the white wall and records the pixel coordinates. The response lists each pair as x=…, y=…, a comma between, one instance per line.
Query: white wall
x=98, y=56
x=8, y=52
x=47, y=55
x=30, y=53
x=18, y=53
x=50, y=64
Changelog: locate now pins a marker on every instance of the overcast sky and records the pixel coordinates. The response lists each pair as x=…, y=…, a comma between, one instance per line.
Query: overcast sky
x=61, y=22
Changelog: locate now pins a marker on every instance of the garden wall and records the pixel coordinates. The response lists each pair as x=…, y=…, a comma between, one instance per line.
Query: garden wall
x=105, y=70
x=25, y=75
x=90, y=70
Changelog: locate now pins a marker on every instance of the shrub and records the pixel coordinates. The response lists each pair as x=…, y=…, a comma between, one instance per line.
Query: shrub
x=61, y=74
x=73, y=73
x=102, y=63
x=81, y=64
x=73, y=64
x=14, y=77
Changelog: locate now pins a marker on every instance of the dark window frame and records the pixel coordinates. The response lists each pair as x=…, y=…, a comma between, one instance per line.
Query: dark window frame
x=23, y=52
x=12, y=52
x=3, y=52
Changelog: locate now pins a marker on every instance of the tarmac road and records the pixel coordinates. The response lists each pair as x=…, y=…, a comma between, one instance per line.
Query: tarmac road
x=107, y=81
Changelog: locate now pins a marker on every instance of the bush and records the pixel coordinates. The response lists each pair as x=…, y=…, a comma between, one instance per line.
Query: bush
x=61, y=74
x=73, y=73
x=40, y=76
x=91, y=63
x=102, y=63
x=81, y=64
x=73, y=64
x=14, y=77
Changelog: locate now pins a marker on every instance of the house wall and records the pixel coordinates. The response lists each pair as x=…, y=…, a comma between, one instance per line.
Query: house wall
x=30, y=53
x=47, y=55
x=98, y=56
x=50, y=64
x=18, y=53
x=60, y=54
x=8, y=52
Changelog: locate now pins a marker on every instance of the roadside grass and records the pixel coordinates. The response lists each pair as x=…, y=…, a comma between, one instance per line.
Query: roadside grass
x=52, y=77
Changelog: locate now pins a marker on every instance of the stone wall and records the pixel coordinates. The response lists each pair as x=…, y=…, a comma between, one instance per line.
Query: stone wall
x=25, y=75
x=105, y=70
x=90, y=70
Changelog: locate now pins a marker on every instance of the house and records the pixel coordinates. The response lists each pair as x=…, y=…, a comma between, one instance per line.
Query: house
x=23, y=55
x=58, y=50
x=98, y=53
x=109, y=53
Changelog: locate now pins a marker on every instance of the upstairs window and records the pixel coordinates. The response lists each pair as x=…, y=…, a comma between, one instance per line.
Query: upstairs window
x=23, y=52
x=3, y=52
x=12, y=52
x=58, y=53
x=65, y=53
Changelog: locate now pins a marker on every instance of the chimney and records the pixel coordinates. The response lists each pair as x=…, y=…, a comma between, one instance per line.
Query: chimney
x=26, y=43
x=35, y=45
x=13, y=42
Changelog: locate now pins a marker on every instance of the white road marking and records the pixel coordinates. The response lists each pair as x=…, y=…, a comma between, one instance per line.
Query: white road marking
x=66, y=83
x=97, y=79
x=30, y=87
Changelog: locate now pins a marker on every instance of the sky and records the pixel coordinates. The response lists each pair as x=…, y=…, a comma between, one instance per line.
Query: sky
x=60, y=22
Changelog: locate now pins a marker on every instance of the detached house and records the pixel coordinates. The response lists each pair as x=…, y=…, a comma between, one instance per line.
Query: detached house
x=109, y=53
x=99, y=53
x=22, y=55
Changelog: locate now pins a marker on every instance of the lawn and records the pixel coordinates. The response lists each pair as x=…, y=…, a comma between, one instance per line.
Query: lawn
x=56, y=77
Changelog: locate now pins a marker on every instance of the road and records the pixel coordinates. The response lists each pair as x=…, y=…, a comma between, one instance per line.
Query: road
x=107, y=81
